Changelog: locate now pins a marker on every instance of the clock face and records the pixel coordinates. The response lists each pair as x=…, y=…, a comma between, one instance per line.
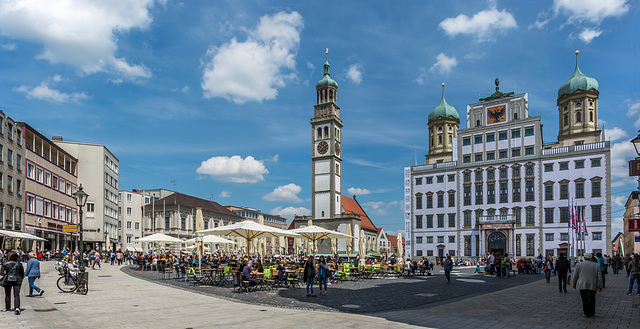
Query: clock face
x=323, y=147
x=337, y=148
x=496, y=114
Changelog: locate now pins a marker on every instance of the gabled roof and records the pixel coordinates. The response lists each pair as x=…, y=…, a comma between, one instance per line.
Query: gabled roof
x=352, y=206
x=191, y=201
x=393, y=239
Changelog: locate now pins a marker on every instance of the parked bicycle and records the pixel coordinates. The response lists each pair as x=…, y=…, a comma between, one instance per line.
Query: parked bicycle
x=70, y=282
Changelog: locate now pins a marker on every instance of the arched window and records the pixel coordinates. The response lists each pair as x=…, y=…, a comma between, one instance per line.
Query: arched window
x=515, y=116
x=319, y=133
x=326, y=132
x=450, y=140
x=590, y=116
x=439, y=139
x=578, y=116
x=477, y=123
x=432, y=141
x=330, y=94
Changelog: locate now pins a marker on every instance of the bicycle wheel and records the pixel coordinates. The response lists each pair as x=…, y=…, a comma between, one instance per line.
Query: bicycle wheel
x=83, y=287
x=66, y=284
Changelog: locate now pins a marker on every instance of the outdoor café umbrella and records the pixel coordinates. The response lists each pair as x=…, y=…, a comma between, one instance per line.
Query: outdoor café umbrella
x=314, y=233
x=158, y=238
x=210, y=239
x=248, y=230
x=400, y=247
x=363, y=247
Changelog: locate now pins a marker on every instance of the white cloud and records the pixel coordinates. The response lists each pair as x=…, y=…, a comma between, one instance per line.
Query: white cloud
x=290, y=212
x=444, y=64
x=482, y=26
x=616, y=226
x=355, y=73
x=9, y=46
x=615, y=134
x=634, y=112
x=593, y=11
x=233, y=169
x=422, y=76
x=310, y=66
x=46, y=93
x=224, y=194
x=77, y=32
x=253, y=70
x=379, y=207
x=589, y=34
x=621, y=153
x=287, y=193
x=619, y=200
x=358, y=191
x=473, y=56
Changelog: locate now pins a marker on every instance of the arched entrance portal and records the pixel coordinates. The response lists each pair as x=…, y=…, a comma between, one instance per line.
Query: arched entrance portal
x=497, y=243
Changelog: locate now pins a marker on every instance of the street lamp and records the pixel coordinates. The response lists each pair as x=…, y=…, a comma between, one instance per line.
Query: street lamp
x=81, y=200
x=636, y=143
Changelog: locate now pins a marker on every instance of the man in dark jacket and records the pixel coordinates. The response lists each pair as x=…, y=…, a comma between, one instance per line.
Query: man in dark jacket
x=15, y=275
x=562, y=268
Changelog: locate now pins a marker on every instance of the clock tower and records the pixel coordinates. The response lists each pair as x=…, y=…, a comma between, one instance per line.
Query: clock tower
x=326, y=132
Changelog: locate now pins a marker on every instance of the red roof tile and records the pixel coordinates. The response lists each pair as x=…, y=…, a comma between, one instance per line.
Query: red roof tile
x=352, y=206
x=393, y=239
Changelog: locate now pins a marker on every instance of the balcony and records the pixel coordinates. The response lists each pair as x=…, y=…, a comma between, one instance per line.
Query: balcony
x=438, y=165
x=575, y=148
x=498, y=219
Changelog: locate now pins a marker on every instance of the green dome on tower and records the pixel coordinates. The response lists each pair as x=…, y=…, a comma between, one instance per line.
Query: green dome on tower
x=326, y=80
x=578, y=81
x=443, y=110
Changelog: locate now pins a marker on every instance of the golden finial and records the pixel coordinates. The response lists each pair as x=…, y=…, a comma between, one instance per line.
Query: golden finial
x=443, y=84
x=577, y=52
x=326, y=52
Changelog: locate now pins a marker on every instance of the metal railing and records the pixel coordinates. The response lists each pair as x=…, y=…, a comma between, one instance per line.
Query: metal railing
x=438, y=165
x=576, y=148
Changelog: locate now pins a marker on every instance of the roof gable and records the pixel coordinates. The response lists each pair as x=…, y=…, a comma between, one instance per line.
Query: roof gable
x=191, y=201
x=352, y=206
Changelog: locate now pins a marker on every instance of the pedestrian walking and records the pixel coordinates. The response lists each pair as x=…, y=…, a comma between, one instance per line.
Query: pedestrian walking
x=113, y=258
x=562, y=268
x=448, y=266
x=323, y=274
x=32, y=273
x=309, y=276
x=634, y=273
x=96, y=261
x=506, y=263
x=603, y=268
x=14, y=273
x=490, y=259
x=587, y=278
x=548, y=268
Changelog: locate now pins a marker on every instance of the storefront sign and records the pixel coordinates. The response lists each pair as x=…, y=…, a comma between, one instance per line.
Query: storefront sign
x=634, y=225
x=637, y=238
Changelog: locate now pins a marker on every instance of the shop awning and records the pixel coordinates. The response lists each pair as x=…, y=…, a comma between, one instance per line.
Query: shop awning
x=20, y=235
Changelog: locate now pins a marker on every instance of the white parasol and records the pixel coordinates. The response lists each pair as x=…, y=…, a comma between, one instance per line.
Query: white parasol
x=314, y=233
x=248, y=230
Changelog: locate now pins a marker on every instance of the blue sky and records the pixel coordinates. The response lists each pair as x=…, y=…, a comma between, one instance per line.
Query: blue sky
x=218, y=95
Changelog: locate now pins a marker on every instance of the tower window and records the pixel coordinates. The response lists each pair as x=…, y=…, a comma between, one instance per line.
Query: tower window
x=515, y=116
x=440, y=140
x=323, y=214
x=319, y=133
x=330, y=94
x=326, y=132
x=566, y=120
x=578, y=116
x=590, y=116
x=477, y=123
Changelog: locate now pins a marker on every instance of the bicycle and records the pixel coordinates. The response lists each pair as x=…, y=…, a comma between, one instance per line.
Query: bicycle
x=70, y=283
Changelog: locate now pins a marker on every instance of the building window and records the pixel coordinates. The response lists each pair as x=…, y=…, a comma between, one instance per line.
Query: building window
x=503, y=173
x=564, y=236
x=491, y=155
x=595, y=163
x=491, y=137
x=564, y=191
x=419, y=201
x=440, y=179
x=479, y=176
x=477, y=140
x=440, y=220
x=518, y=246
x=430, y=253
x=595, y=189
x=466, y=159
x=548, y=167
x=129, y=224
x=467, y=219
x=502, y=136
x=491, y=193
x=452, y=200
x=418, y=181
x=564, y=215
x=452, y=239
x=515, y=133
x=502, y=154
x=418, y=239
x=467, y=195
x=528, y=151
x=429, y=239
x=530, y=213
x=548, y=216
x=580, y=164
x=530, y=191
x=478, y=193
x=597, y=236
x=478, y=157
x=452, y=178
x=467, y=246
x=530, y=245
x=429, y=201
x=515, y=152
x=528, y=132
x=516, y=191
x=429, y=221
x=516, y=172
x=579, y=190
x=429, y=180
x=452, y=220
x=137, y=226
x=548, y=237
x=596, y=213
x=440, y=200
x=504, y=194
x=548, y=192
x=466, y=141
x=440, y=239
x=564, y=166
x=491, y=175
x=478, y=217
x=467, y=177
x=419, y=221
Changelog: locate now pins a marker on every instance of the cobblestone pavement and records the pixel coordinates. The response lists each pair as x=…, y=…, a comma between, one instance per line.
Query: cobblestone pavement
x=119, y=300
x=368, y=295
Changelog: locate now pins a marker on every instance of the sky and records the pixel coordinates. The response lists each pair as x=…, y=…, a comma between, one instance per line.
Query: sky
x=216, y=96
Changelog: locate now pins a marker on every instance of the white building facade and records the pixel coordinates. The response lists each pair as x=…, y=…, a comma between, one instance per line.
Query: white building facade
x=499, y=188
x=131, y=213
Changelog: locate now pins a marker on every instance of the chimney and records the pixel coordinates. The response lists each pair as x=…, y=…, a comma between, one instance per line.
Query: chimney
x=56, y=138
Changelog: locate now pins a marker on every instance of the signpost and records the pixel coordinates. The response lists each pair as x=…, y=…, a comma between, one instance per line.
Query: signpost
x=634, y=225
x=70, y=228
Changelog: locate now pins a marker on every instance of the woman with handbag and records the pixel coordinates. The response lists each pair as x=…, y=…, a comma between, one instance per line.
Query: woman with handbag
x=13, y=274
x=548, y=268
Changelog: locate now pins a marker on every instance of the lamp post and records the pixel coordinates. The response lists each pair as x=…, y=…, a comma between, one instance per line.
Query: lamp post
x=636, y=143
x=81, y=200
